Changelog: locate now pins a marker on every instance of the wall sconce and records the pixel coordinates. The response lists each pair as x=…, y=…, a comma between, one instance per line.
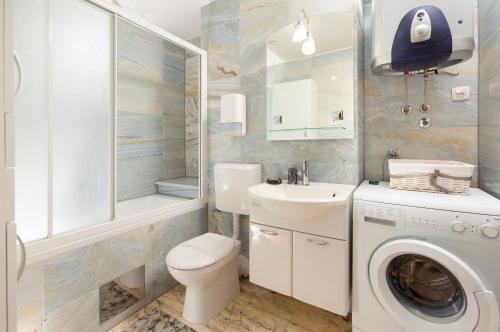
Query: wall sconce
x=302, y=34
x=309, y=46
x=301, y=28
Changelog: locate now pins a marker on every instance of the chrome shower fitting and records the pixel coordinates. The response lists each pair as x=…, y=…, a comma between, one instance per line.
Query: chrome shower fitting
x=425, y=123
x=406, y=109
x=391, y=154
x=426, y=107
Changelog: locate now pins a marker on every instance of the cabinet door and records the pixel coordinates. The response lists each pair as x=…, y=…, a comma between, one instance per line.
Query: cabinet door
x=321, y=272
x=271, y=258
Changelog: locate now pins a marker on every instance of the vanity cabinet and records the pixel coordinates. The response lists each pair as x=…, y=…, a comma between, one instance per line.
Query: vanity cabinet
x=301, y=247
x=271, y=258
x=313, y=269
x=320, y=275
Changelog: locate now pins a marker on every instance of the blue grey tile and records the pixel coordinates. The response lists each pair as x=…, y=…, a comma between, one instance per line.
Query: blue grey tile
x=30, y=299
x=80, y=315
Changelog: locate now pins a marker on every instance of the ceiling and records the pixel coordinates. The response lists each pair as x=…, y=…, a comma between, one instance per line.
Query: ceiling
x=182, y=18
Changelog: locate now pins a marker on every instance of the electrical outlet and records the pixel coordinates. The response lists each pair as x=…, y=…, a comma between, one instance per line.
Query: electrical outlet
x=460, y=94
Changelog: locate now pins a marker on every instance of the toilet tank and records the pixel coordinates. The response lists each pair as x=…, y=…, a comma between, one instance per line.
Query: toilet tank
x=231, y=184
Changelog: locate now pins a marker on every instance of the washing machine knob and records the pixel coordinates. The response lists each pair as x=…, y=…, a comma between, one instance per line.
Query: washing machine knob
x=458, y=227
x=489, y=231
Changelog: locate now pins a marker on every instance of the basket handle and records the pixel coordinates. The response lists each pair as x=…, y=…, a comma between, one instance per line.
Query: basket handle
x=434, y=177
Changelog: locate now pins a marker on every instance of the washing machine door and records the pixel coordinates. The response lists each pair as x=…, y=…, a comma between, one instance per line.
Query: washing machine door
x=427, y=288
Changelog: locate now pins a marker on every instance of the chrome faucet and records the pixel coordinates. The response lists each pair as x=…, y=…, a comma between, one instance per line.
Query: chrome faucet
x=305, y=173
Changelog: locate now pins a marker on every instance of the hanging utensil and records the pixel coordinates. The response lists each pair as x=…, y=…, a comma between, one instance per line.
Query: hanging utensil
x=406, y=109
x=426, y=107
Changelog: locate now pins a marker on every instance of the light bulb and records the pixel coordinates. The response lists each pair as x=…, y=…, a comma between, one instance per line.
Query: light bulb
x=300, y=32
x=309, y=46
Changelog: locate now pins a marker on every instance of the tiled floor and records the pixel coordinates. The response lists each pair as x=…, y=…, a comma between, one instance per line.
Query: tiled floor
x=256, y=309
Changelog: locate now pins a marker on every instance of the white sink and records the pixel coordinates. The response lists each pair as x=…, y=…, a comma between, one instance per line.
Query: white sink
x=296, y=202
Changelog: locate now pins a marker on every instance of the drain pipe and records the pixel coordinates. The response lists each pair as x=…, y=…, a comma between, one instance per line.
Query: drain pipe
x=243, y=263
x=236, y=226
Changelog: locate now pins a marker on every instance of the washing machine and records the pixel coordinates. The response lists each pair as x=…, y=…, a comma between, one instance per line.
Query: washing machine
x=425, y=262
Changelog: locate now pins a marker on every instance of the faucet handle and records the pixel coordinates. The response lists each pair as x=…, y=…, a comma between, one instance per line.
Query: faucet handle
x=305, y=173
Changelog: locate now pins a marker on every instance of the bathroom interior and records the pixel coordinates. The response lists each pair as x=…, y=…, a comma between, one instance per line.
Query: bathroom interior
x=250, y=165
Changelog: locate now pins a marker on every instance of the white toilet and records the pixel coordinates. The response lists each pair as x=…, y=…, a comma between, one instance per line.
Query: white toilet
x=208, y=264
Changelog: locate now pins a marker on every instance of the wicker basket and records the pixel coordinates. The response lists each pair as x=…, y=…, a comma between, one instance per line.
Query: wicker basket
x=435, y=176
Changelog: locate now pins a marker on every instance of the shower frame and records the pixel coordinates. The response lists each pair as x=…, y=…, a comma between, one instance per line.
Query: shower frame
x=57, y=244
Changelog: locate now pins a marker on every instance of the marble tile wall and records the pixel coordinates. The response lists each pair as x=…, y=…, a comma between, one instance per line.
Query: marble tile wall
x=454, y=130
x=61, y=293
x=234, y=35
x=151, y=120
x=192, y=114
x=489, y=96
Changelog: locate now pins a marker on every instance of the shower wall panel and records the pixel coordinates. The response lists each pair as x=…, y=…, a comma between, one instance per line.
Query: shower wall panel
x=150, y=111
x=192, y=115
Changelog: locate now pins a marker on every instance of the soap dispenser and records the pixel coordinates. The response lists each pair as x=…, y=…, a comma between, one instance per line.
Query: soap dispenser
x=233, y=111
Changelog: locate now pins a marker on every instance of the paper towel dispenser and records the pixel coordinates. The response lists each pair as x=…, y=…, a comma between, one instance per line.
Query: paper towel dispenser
x=415, y=35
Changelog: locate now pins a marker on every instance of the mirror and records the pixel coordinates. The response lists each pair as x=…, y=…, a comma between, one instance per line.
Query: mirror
x=310, y=79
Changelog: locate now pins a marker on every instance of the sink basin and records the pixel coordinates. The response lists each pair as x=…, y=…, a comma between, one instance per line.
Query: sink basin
x=297, y=202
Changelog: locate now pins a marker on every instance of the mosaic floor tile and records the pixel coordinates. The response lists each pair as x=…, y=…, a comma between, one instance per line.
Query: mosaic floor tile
x=157, y=321
x=114, y=299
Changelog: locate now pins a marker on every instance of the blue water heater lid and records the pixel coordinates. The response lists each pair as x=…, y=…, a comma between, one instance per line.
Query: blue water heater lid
x=411, y=55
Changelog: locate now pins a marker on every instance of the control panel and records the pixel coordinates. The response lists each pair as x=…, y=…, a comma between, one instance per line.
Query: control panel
x=465, y=226
x=421, y=221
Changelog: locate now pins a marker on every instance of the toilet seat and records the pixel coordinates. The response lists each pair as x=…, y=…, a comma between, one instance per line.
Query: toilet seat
x=200, y=252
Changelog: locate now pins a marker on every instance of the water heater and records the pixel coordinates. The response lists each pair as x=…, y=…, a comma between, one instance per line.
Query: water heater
x=414, y=35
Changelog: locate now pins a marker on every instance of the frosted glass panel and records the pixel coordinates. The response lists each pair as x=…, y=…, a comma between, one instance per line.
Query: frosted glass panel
x=82, y=114
x=31, y=107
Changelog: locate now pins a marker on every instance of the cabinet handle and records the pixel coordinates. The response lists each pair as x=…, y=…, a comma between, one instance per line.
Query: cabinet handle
x=318, y=242
x=268, y=232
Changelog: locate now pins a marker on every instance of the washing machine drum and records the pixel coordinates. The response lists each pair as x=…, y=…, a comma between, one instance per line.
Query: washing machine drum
x=426, y=288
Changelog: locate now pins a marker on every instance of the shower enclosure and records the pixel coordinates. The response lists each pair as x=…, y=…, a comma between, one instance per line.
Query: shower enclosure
x=109, y=126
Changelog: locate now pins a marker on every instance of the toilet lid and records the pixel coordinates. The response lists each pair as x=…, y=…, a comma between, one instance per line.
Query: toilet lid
x=200, y=252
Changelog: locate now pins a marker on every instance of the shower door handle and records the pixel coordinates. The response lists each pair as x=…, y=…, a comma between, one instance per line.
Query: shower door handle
x=22, y=265
x=20, y=74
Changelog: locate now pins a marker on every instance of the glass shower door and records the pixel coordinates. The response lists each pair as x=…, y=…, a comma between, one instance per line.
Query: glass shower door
x=31, y=44
x=82, y=65
x=64, y=116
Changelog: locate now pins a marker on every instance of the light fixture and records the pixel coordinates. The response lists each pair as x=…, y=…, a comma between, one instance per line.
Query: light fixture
x=309, y=46
x=300, y=33
x=301, y=28
x=333, y=77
